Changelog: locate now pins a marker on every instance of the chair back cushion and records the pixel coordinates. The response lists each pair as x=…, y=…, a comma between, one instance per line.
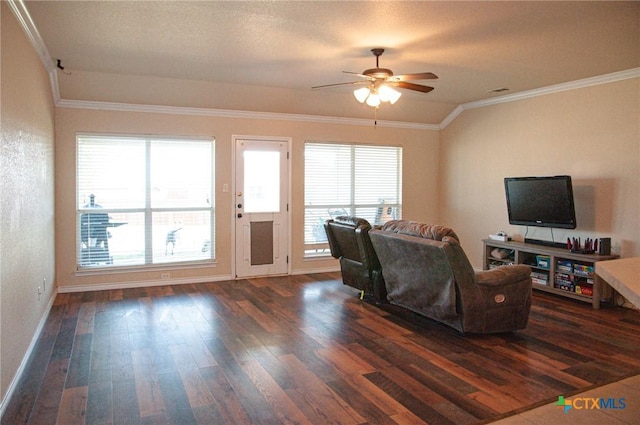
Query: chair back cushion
x=349, y=241
x=343, y=233
x=422, y=230
x=418, y=273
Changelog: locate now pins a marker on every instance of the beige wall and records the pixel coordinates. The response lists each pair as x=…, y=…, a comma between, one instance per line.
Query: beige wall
x=27, y=197
x=420, y=151
x=592, y=134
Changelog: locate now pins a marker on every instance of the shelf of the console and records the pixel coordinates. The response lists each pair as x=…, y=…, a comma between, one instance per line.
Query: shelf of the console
x=527, y=254
x=574, y=295
x=548, y=250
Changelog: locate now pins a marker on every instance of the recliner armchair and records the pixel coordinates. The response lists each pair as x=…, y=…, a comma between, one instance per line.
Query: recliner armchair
x=349, y=242
x=425, y=270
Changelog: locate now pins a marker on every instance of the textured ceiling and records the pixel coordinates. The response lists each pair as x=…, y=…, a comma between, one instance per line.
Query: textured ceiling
x=474, y=47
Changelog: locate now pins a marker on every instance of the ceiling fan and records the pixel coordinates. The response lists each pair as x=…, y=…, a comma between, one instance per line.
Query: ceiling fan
x=380, y=82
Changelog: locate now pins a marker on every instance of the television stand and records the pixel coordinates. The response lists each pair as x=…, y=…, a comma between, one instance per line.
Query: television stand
x=545, y=243
x=555, y=270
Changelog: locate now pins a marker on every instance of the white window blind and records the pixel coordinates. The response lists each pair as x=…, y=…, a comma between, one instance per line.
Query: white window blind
x=347, y=179
x=144, y=200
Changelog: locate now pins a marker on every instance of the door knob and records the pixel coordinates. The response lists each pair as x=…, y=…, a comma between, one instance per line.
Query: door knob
x=239, y=215
x=239, y=205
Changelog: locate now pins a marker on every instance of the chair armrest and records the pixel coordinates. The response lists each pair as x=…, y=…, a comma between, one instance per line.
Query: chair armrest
x=503, y=275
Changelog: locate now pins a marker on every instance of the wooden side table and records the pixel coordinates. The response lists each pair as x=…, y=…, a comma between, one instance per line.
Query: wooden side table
x=623, y=275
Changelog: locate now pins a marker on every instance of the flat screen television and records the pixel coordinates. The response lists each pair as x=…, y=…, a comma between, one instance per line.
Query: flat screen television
x=541, y=201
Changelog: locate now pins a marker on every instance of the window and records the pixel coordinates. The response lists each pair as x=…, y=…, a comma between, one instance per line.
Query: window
x=358, y=180
x=144, y=200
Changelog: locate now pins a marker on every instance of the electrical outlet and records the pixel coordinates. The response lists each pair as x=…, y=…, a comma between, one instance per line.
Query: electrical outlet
x=165, y=276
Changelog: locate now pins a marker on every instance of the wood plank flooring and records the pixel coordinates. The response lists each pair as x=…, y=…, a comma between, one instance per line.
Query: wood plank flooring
x=304, y=350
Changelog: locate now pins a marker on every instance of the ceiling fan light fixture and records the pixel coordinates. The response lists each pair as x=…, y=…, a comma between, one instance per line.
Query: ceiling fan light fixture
x=373, y=100
x=388, y=94
x=361, y=94
x=381, y=83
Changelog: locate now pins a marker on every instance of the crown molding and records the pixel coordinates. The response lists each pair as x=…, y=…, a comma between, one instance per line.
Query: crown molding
x=452, y=116
x=24, y=18
x=228, y=113
x=29, y=27
x=557, y=88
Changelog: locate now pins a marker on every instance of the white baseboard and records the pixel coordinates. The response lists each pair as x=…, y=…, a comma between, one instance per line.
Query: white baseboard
x=141, y=284
x=25, y=359
x=163, y=282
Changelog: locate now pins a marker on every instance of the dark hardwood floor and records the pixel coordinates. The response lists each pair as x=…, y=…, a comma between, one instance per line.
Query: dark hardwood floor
x=304, y=349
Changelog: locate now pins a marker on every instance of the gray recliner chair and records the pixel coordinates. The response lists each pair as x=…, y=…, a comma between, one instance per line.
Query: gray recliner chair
x=349, y=242
x=425, y=270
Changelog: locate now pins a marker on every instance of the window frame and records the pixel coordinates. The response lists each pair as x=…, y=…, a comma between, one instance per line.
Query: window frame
x=320, y=249
x=148, y=210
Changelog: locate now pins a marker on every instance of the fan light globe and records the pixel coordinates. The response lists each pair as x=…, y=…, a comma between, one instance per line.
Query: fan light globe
x=388, y=94
x=373, y=100
x=361, y=94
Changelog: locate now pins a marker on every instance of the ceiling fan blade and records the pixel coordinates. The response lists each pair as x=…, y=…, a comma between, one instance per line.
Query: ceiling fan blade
x=411, y=86
x=340, y=84
x=416, y=76
x=368, y=77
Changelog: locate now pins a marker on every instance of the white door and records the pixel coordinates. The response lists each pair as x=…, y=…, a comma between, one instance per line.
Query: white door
x=261, y=207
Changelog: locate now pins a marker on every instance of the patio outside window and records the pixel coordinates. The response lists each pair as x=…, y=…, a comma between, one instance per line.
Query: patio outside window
x=348, y=179
x=144, y=200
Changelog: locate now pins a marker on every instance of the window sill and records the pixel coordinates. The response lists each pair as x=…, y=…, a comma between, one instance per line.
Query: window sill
x=93, y=271
x=317, y=256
